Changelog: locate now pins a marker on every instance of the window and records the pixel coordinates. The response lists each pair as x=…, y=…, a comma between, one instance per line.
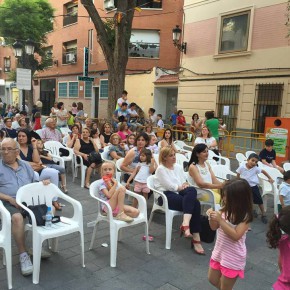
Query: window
x=69, y=52
x=88, y=89
x=62, y=89
x=234, y=32
x=144, y=43
x=70, y=12
x=90, y=45
x=104, y=89
x=73, y=89
x=48, y=55
x=7, y=64
x=227, y=105
x=268, y=103
x=149, y=3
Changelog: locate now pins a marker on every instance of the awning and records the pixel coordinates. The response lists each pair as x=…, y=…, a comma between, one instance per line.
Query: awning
x=167, y=79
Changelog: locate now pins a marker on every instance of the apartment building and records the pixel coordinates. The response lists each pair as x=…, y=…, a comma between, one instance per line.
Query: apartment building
x=237, y=61
x=150, y=47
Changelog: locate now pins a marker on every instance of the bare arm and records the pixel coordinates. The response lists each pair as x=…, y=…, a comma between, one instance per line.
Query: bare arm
x=268, y=176
x=152, y=165
x=266, y=163
x=70, y=141
x=9, y=199
x=194, y=173
x=235, y=233
x=109, y=193
x=132, y=176
x=125, y=166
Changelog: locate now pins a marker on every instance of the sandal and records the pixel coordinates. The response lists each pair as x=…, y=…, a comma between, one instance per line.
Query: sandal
x=183, y=230
x=87, y=186
x=57, y=205
x=194, y=242
x=123, y=217
x=150, y=238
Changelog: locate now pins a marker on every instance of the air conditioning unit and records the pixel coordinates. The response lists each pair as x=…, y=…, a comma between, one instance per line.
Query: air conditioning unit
x=109, y=4
x=70, y=57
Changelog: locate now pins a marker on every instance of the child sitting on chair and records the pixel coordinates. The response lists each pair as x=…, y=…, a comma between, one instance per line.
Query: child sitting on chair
x=114, y=193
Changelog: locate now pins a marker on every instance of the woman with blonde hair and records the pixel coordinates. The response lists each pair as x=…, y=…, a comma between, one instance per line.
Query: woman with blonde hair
x=171, y=180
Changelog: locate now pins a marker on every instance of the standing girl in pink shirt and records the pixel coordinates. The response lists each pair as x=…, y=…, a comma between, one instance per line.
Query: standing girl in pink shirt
x=277, y=239
x=228, y=258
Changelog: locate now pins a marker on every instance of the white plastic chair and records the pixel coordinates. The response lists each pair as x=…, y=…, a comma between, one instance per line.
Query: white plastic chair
x=221, y=159
x=248, y=153
x=105, y=157
x=169, y=214
x=182, y=145
x=241, y=158
x=286, y=166
x=180, y=158
x=5, y=242
x=79, y=164
x=39, y=132
x=54, y=146
x=270, y=188
x=222, y=172
x=30, y=194
x=119, y=172
x=65, y=130
x=201, y=192
x=116, y=225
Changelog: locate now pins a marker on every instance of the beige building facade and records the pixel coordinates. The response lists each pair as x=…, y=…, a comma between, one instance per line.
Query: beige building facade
x=237, y=61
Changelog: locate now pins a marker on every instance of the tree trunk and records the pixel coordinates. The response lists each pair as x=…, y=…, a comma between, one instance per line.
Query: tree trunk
x=117, y=57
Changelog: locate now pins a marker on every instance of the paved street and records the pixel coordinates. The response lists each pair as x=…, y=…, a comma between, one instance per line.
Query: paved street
x=178, y=268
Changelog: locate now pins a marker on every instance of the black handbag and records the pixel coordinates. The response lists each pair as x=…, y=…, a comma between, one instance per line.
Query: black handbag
x=95, y=157
x=39, y=212
x=207, y=235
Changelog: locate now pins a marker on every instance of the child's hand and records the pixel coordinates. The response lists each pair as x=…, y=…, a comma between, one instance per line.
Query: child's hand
x=271, y=180
x=208, y=212
x=127, y=185
x=215, y=216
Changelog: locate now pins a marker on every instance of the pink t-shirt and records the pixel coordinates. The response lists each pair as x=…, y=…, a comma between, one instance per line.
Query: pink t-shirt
x=283, y=282
x=229, y=253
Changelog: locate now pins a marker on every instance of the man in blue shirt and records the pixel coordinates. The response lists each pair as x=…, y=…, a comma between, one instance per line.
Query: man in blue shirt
x=15, y=173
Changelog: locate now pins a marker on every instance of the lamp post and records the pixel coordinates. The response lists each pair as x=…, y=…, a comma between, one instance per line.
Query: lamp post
x=22, y=52
x=176, y=36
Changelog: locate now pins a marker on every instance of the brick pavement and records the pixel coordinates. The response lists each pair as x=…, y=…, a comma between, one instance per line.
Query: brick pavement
x=178, y=268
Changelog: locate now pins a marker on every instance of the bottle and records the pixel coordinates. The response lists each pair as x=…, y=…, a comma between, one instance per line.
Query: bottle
x=48, y=217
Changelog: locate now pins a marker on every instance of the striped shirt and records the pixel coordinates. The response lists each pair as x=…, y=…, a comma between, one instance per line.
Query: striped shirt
x=51, y=135
x=229, y=253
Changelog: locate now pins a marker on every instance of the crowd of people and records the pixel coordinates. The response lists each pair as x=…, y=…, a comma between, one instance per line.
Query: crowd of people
x=24, y=159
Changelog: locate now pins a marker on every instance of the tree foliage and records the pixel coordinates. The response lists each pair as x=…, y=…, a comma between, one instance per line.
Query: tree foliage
x=113, y=38
x=27, y=19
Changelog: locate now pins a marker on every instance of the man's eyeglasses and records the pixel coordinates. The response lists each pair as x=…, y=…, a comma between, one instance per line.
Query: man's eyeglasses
x=8, y=149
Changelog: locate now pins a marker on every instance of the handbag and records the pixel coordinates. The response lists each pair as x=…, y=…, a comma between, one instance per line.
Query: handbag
x=39, y=212
x=207, y=235
x=95, y=157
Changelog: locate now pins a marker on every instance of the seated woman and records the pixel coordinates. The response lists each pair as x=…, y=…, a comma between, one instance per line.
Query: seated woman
x=200, y=172
x=96, y=139
x=170, y=178
x=167, y=140
x=29, y=152
x=207, y=139
x=106, y=133
x=88, y=150
x=73, y=136
x=124, y=131
x=7, y=129
x=116, y=148
x=149, y=130
x=23, y=125
x=47, y=161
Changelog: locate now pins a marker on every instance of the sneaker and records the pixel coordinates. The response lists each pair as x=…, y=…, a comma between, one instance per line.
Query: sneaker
x=44, y=253
x=264, y=219
x=26, y=265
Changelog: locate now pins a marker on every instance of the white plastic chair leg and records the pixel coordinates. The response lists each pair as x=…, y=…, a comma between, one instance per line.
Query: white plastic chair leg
x=169, y=220
x=151, y=217
x=54, y=244
x=8, y=263
x=114, y=245
x=82, y=249
x=37, y=245
x=147, y=240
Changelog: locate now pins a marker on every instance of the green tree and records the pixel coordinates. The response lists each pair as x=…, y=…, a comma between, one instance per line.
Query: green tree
x=115, y=49
x=27, y=19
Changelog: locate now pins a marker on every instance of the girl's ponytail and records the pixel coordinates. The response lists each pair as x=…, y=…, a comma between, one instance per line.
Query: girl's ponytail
x=274, y=233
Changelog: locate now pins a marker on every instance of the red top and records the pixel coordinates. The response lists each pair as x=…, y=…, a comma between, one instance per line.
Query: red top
x=37, y=124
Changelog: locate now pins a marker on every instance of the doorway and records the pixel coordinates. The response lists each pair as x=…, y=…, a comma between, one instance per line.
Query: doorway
x=171, y=102
x=47, y=95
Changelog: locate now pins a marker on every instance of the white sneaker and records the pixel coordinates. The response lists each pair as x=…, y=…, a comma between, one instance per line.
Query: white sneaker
x=26, y=265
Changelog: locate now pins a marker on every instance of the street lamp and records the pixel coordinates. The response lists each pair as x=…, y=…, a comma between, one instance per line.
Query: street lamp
x=20, y=52
x=176, y=36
